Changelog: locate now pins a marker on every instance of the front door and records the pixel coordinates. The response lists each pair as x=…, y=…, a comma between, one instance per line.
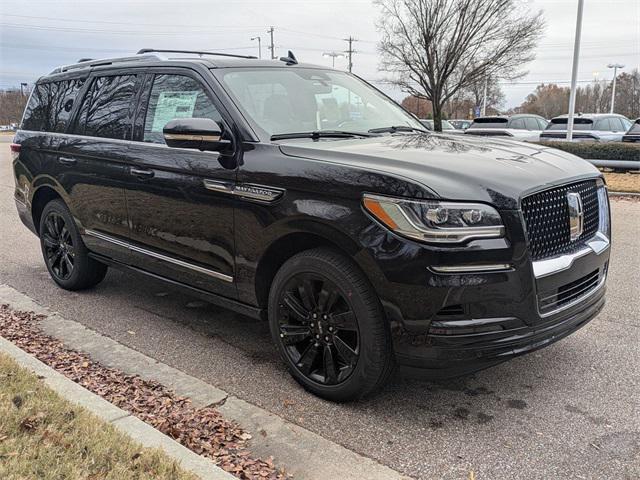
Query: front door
x=179, y=228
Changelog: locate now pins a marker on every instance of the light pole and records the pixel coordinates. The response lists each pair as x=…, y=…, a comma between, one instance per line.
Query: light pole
x=484, y=98
x=259, y=45
x=333, y=56
x=615, y=67
x=574, y=71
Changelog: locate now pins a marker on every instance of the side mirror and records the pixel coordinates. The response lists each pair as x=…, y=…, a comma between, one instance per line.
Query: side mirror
x=196, y=133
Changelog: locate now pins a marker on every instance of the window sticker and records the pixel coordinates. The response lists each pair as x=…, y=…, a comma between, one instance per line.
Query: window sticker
x=172, y=105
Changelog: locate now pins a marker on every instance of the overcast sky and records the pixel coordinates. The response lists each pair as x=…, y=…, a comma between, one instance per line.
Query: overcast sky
x=37, y=35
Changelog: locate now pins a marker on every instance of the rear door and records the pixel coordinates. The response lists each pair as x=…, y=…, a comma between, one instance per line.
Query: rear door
x=93, y=158
x=180, y=209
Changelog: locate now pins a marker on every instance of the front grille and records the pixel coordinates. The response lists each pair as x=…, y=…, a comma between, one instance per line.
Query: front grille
x=546, y=215
x=568, y=293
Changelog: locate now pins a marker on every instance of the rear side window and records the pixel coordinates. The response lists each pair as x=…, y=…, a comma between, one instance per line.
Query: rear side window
x=175, y=96
x=518, y=124
x=531, y=123
x=50, y=106
x=106, y=107
x=604, y=125
x=617, y=125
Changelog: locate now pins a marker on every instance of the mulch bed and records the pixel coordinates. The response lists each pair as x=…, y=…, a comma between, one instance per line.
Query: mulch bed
x=202, y=430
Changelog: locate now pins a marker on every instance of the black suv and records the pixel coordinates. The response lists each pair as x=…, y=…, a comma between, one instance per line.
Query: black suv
x=305, y=196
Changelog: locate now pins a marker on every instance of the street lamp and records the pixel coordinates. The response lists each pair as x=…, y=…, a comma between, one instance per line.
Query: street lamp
x=615, y=67
x=259, y=45
x=333, y=56
x=574, y=71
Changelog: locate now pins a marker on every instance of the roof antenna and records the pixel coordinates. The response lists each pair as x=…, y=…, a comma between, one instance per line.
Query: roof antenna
x=290, y=59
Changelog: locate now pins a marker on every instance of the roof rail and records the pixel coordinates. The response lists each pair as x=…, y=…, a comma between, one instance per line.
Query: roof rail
x=197, y=52
x=105, y=61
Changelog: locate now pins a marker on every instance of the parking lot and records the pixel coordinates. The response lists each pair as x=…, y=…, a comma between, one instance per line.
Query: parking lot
x=568, y=411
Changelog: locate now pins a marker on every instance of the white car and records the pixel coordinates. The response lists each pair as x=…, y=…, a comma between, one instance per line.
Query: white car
x=522, y=127
x=446, y=127
x=589, y=127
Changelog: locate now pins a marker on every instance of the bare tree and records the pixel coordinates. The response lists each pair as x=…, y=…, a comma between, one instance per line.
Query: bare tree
x=435, y=48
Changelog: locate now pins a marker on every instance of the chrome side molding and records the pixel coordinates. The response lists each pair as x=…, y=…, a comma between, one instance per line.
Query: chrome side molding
x=159, y=256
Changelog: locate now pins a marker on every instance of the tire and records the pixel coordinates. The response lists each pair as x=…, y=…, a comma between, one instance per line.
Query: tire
x=319, y=350
x=65, y=255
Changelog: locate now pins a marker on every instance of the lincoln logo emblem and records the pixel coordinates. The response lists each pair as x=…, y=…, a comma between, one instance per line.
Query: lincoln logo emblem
x=576, y=215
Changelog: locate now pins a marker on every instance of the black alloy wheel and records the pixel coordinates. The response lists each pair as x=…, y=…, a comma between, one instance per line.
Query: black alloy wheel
x=59, y=250
x=318, y=329
x=68, y=261
x=329, y=326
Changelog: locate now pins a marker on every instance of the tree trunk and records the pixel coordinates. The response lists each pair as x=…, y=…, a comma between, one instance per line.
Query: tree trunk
x=437, y=115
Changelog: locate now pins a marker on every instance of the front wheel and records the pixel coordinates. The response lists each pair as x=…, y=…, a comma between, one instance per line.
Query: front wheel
x=329, y=327
x=64, y=253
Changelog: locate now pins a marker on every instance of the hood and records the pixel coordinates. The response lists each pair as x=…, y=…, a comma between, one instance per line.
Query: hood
x=455, y=167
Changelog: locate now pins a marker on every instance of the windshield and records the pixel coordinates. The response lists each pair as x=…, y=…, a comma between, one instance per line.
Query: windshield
x=489, y=122
x=578, y=124
x=281, y=101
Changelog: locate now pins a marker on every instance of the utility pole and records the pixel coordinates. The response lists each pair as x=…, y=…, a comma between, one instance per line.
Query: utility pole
x=272, y=48
x=259, y=45
x=574, y=72
x=615, y=67
x=350, y=51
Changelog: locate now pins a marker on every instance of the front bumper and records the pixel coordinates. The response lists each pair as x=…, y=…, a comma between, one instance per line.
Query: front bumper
x=507, y=328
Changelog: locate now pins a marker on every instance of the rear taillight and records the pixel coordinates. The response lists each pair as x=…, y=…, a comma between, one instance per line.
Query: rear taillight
x=15, y=150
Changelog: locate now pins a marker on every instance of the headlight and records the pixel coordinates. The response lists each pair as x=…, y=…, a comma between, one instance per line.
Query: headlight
x=435, y=221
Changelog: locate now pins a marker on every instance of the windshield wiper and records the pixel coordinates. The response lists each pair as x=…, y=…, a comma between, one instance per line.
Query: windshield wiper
x=398, y=128
x=315, y=135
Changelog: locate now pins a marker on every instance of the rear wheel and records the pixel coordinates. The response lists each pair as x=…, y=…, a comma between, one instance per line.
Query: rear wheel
x=66, y=257
x=328, y=325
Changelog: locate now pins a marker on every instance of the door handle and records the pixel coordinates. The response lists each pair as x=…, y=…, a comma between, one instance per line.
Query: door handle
x=67, y=160
x=142, y=172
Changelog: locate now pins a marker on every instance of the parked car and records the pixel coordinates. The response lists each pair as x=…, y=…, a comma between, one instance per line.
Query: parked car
x=589, y=127
x=633, y=135
x=304, y=196
x=461, y=124
x=446, y=126
x=523, y=127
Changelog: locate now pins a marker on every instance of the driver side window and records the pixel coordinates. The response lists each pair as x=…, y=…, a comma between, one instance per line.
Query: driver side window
x=175, y=96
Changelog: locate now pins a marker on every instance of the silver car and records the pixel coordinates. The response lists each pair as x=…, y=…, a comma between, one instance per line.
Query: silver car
x=588, y=127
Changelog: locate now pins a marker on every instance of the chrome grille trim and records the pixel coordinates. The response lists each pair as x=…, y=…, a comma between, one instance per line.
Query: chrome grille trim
x=547, y=221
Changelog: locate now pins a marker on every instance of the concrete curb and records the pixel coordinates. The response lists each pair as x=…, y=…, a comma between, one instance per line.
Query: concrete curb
x=624, y=194
x=301, y=452
x=133, y=427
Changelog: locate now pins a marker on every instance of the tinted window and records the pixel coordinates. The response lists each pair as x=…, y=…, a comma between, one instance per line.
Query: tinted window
x=489, y=122
x=578, y=124
x=50, y=106
x=175, y=96
x=531, y=123
x=106, y=106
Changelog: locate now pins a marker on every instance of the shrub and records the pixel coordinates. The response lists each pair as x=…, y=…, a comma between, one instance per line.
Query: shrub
x=599, y=151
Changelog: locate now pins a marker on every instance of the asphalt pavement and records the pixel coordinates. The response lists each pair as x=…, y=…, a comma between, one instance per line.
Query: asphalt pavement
x=571, y=410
